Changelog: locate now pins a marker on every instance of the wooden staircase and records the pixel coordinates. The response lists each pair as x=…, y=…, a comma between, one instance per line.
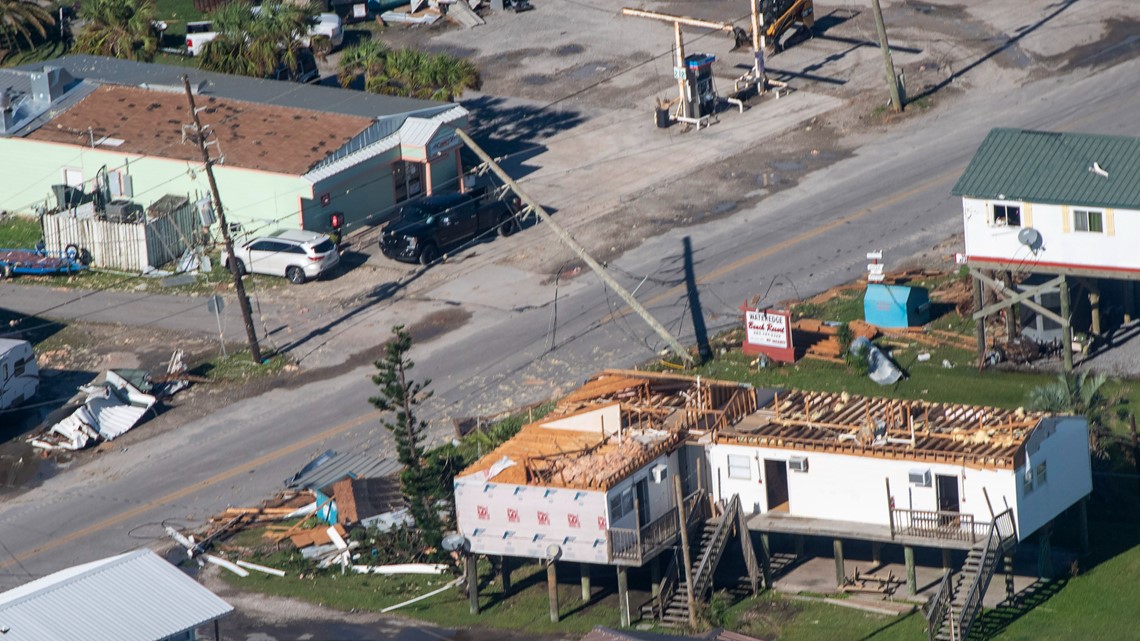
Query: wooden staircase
x=671, y=605
x=951, y=613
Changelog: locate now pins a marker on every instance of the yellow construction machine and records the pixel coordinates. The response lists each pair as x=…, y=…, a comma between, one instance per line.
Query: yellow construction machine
x=778, y=15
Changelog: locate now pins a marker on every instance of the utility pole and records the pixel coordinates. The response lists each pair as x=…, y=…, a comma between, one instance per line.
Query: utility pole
x=569, y=241
x=682, y=73
x=239, y=286
x=892, y=79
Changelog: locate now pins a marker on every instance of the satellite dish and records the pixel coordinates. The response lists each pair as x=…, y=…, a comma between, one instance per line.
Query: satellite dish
x=455, y=542
x=1030, y=237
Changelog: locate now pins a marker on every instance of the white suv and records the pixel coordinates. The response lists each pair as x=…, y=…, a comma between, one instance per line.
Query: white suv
x=294, y=254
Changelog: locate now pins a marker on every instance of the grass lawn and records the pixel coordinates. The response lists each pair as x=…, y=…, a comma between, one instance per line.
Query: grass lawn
x=527, y=608
x=19, y=232
x=773, y=617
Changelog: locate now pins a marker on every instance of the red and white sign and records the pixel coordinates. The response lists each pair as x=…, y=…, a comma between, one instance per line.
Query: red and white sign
x=483, y=512
x=768, y=332
x=512, y=515
x=572, y=520
x=544, y=518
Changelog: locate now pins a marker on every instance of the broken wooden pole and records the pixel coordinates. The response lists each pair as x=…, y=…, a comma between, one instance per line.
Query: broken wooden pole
x=472, y=563
x=585, y=582
x=840, y=570
x=911, y=577
x=979, y=323
x=1066, y=327
x=552, y=590
x=623, y=595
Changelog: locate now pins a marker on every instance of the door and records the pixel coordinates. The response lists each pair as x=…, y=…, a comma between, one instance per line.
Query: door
x=946, y=489
x=260, y=256
x=776, y=478
x=643, y=516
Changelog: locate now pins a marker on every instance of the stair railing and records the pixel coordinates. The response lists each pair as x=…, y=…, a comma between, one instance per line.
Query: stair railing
x=936, y=607
x=715, y=548
x=1002, y=537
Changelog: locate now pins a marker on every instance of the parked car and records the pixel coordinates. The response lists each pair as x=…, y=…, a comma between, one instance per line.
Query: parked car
x=294, y=254
x=427, y=226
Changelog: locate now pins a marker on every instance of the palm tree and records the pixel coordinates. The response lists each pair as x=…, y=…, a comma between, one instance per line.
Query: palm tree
x=407, y=72
x=257, y=44
x=19, y=20
x=119, y=29
x=1076, y=394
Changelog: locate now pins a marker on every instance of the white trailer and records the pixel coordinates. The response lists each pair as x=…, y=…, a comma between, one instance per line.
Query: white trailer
x=19, y=372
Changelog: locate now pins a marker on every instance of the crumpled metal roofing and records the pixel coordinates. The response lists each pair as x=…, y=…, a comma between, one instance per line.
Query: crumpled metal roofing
x=131, y=597
x=330, y=467
x=112, y=407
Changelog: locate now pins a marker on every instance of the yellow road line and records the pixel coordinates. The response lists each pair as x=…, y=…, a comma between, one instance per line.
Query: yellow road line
x=799, y=239
x=176, y=495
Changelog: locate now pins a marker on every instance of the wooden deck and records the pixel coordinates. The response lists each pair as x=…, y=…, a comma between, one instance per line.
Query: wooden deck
x=781, y=523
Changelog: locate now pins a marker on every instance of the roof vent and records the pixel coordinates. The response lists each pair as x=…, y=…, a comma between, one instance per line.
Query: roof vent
x=1098, y=170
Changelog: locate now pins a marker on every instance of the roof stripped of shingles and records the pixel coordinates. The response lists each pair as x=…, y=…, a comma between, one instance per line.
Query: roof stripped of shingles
x=282, y=140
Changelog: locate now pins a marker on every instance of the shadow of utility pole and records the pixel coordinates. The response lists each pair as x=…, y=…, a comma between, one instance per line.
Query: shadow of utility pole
x=699, y=329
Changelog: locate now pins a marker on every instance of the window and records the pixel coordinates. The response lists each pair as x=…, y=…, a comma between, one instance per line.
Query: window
x=739, y=467
x=1040, y=474
x=1007, y=215
x=73, y=178
x=19, y=367
x=621, y=505
x=1027, y=480
x=1088, y=220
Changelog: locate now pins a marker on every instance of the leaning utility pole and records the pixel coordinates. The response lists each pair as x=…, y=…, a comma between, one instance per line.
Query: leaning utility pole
x=566, y=238
x=892, y=79
x=200, y=134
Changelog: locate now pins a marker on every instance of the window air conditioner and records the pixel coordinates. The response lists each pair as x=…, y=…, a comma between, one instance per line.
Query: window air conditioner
x=659, y=472
x=798, y=464
x=920, y=477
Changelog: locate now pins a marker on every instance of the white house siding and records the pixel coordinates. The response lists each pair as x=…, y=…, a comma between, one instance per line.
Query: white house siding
x=661, y=497
x=1062, y=245
x=523, y=521
x=1062, y=445
x=853, y=488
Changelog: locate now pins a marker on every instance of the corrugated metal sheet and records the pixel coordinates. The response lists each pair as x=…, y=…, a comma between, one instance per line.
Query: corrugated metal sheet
x=331, y=467
x=416, y=132
x=130, y=597
x=1054, y=168
x=19, y=84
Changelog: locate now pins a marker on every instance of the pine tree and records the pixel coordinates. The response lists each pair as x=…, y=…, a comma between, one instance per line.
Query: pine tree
x=424, y=484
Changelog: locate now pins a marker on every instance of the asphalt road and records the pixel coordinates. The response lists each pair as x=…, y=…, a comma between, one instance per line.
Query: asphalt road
x=893, y=195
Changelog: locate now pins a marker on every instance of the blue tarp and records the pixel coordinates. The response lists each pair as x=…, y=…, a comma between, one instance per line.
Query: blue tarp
x=896, y=306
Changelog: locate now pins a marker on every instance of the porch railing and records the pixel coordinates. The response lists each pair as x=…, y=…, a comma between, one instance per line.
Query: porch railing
x=634, y=546
x=935, y=524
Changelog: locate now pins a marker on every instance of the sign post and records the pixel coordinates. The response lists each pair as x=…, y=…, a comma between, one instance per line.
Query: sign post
x=768, y=332
x=216, y=304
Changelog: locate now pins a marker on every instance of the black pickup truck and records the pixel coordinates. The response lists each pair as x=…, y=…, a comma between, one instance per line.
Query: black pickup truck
x=427, y=226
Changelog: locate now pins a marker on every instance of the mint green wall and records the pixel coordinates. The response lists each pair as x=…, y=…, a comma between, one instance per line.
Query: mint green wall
x=256, y=199
x=445, y=173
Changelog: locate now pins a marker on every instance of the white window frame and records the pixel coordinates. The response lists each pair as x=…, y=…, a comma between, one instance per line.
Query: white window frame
x=1004, y=221
x=1082, y=219
x=737, y=462
x=621, y=505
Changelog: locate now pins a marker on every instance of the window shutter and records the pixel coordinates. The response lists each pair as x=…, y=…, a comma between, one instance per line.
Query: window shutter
x=1110, y=222
x=1066, y=219
x=1026, y=214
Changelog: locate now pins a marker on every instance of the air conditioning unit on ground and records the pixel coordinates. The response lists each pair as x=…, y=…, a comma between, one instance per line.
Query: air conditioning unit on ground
x=920, y=477
x=659, y=473
x=798, y=464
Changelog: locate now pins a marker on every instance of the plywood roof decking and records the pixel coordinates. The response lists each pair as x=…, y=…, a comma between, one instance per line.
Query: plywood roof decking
x=283, y=140
x=847, y=424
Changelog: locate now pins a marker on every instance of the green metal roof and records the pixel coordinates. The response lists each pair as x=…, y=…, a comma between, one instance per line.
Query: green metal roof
x=1054, y=168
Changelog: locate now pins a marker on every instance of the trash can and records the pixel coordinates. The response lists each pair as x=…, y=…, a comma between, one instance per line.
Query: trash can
x=661, y=117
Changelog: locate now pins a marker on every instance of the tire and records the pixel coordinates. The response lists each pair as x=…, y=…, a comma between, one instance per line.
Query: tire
x=508, y=225
x=71, y=252
x=295, y=274
x=429, y=254
x=235, y=264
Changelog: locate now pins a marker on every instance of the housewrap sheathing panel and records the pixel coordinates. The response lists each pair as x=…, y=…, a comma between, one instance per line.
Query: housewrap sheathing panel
x=523, y=521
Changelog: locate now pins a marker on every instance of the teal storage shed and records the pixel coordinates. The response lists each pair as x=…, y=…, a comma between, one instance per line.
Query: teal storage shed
x=896, y=305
